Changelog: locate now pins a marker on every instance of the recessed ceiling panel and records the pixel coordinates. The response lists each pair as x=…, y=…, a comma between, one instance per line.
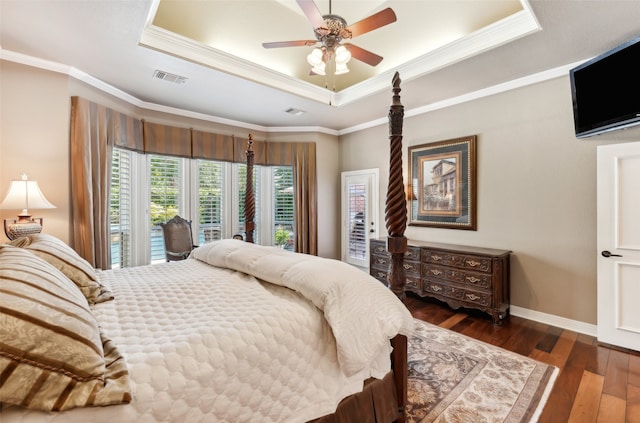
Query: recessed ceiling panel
x=228, y=35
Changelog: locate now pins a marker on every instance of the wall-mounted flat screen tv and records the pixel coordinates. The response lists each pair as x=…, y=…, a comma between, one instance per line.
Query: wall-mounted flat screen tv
x=606, y=91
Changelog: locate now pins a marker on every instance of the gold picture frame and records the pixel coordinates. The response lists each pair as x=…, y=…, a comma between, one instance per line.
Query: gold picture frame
x=442, y=184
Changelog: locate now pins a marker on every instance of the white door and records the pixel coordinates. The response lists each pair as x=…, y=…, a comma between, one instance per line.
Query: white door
x=619, y=245
x=359, y=215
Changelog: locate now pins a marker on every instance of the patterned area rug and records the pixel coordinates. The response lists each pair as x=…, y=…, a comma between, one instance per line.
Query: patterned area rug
x=454, y=378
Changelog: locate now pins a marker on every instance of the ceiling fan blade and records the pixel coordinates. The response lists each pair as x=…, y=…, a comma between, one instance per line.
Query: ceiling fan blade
x=375, y=21
x=312, y=12
x=299, y=43
x=363, y=55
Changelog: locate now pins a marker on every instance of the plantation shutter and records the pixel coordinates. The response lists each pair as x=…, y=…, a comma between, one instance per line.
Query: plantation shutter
x=283, y=206
x=120, y=209
x=164, y=198
x=210, y=200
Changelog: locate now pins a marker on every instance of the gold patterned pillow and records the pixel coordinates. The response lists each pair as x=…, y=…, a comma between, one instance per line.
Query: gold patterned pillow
x=52, y=354
x=65, y=259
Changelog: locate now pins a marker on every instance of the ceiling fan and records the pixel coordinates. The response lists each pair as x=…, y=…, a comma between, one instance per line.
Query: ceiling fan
x=330, y=30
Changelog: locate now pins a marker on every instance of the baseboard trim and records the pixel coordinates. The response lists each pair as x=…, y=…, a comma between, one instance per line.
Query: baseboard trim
x=553, y=320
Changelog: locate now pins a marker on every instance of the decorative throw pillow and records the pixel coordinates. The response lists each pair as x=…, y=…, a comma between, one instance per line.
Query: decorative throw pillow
x=65, y=259
x=51, y=349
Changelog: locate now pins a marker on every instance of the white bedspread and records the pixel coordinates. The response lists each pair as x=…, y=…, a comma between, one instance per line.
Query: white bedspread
x=205, y=343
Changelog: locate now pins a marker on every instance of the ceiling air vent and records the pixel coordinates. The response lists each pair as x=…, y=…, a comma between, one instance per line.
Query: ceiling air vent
x=170, y=77
x=295, y=112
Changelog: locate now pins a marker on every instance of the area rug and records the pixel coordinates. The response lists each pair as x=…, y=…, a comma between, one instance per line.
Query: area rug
x=454, y=378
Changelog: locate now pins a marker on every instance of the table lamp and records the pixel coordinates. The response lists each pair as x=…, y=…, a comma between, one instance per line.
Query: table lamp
x=24, y=195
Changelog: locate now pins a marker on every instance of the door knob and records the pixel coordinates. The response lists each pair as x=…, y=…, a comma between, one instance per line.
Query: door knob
x=607, y=253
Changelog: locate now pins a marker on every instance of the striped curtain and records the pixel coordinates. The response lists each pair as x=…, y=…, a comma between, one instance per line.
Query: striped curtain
x=95, y=129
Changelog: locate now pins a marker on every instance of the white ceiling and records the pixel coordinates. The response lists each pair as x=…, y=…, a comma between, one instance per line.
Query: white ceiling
x=117, y=45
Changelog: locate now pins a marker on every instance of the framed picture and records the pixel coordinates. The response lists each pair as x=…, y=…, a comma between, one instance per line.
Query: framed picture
x=442, y=188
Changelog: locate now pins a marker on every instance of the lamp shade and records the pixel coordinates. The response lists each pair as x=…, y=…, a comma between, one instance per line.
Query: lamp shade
x=24, y=195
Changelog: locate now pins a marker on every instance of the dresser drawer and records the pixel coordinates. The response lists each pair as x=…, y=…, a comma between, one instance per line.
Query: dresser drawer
x=463, y=261
x=467, y=296
x=380, y=261
x=379, y=249
x=473, y=279
x=414, y=283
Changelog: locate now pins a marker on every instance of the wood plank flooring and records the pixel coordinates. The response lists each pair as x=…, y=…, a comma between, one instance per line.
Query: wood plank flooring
x=595, y=383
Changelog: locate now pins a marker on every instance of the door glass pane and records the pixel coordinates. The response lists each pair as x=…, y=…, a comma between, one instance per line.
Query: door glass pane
x=356, y=209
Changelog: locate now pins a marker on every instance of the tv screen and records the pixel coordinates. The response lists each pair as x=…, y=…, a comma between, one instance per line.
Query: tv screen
x=606, y=91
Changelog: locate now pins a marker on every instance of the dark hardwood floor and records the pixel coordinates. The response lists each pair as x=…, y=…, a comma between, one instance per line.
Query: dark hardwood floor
x=595, y=383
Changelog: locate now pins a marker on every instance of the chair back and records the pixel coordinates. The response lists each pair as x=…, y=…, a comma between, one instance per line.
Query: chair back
x=178, y=240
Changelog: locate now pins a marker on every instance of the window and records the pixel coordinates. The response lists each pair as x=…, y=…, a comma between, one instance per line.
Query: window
x=283, y=210
x=210, y=201
x=164, y=198
x=162, y=188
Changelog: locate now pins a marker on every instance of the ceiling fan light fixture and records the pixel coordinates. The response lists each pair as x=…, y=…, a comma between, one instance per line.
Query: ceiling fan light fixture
x=315, y=58
x=341, y=68
x=342, y=55
x=319, y=69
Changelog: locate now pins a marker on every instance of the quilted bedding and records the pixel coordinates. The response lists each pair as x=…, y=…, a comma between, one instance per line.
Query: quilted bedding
x=241, y=333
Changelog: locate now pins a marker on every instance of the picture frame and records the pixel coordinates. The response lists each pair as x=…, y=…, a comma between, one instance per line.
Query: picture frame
x=442, y=184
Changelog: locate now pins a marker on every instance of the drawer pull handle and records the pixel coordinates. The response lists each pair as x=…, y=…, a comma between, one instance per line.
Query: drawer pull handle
x=473, y=279
x=381, y=261
x=407, y=266
x=381, y=274
x=436, y=272
x=473, y=263
x=379, y=250
x=435, y=288
x=473, y=297
x=435, y=258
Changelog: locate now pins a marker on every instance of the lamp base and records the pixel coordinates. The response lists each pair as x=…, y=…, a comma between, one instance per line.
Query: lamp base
x=18, y=228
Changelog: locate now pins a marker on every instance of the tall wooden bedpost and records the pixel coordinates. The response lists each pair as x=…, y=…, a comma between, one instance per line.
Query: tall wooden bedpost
x=396, y=205
x=249, y=199
x=396, y=221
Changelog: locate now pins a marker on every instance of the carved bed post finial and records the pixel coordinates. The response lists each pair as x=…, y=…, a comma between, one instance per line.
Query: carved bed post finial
x=249, y=199
x=396, y=204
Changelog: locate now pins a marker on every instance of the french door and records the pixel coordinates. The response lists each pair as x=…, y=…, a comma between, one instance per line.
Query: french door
x=359, y=215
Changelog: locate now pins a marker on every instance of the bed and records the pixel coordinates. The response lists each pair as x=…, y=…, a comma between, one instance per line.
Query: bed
x=238, y=332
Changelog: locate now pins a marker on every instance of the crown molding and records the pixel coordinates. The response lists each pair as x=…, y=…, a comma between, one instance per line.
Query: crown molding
x=485, y=92
x=509, y=29
x=79, y=75
x=109, y=89
x=176, y=45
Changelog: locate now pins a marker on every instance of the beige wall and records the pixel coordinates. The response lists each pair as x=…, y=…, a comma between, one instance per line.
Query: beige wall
x=536, y=189
x=536, y=181
x=34, y=139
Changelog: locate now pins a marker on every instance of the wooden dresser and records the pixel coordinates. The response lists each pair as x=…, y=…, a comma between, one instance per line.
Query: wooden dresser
x=471, y=277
